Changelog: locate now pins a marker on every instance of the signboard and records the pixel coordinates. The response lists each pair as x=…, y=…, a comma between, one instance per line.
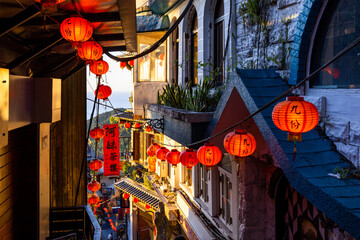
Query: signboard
x=111, y=150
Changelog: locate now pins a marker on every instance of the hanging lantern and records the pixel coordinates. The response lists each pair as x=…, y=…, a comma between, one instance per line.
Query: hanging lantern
x=99, y=67
x=90, y=51
x=106, y=210
x=137, y=125
x=126, y=196
x=147, y=206
x=49, y=6
x=97, y=133
x=98, y=205
x=94, y=199
x=127, y=210
x=136, y=200
x=104, y=92
x=173, y=157
x=151, y=151
x=96, y=165
x=108, y=215
x=127, y=125
x=209, y=155
x=188, y=158
x=76, y=29
x=161, y=153
x=110, y=220
x=295, y=116
x=240, y=143
x=122, y=65
x=131, y=63
x=94, y=186
x=152, y=163
x=148, y=129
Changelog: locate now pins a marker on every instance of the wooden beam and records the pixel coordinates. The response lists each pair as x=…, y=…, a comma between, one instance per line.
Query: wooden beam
x=9, y=24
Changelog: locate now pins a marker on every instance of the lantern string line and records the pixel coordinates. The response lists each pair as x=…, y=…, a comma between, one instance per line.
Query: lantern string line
x=337, y=56
x=87, y=139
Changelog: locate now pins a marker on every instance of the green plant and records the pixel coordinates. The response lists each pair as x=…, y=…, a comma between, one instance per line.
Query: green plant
x=147, y=182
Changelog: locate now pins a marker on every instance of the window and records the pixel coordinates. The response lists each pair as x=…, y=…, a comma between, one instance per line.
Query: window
x=225, y=197
x=152, y=67
x=186, y=176
x=338, y=27
x=193, y=48
x=175, y=55
x=204, y=183
x=219, y=39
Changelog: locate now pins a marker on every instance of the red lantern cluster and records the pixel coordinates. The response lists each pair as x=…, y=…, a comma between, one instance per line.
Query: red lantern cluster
x=94, y=186
x=209, y=155
x=188, y=158
x=76, y=30
x=126, y=196
x=240, y=143
x=173, y=157
x=99, y=67
x=151, y=151
x=94, y=199
x=90, y=51
x=96, y=164
x=161, y=153
x=104, y=92
x=97, y=133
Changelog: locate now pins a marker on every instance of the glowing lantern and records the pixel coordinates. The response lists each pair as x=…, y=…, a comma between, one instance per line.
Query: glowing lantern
x=127, y=125
x=110, y=220
x=152, y=163
x=151, y=151
x=295, y=116
x=188, y=158
x=173, y=157
x=97, y=133
x=104, y=92
x=137, y=125
x=99, y=67
x=209, y=155
x=131, y=63
x=96, y=164
x=49, y=6
x=90, y=51
x=108, y=215
x=126, y=196
x=122, y=65
x=240, y=143
x=94, y=186
x=106, y=210
x=98, y=205
x=94, y=199
x=147, y=206
x=76, y=30
x=136, y=200
x=161, y=153
x=127, y=210
x=148, y=129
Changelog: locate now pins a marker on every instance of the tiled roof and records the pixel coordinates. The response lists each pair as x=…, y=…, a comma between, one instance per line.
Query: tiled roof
x=151, y=23
x=316, y=156
x=141, y=193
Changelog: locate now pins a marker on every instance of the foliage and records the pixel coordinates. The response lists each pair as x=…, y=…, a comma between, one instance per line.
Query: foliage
x=350, y=172
x=147, y=182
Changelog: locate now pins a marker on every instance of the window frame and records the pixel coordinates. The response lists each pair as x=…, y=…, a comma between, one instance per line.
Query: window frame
x=227, y=220
x=216, y=50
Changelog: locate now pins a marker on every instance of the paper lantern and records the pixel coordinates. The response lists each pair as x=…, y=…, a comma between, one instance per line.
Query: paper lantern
x=96, y=164
x=148, y=129
x=97, y=133
x=151, y=151
x=108, y=215
x=76, y=29
x=99, y=67
x=104, y=92
x=147, y=206
x=161, y=153
x=295, y=116
x=110, y=220
x=188, y=158
x=131, y=63
x=122, y=65
x=127, y=125
x=136, y=200
x=209, y=155
x=137, y=125
x=94, y=199
x=94, y=186
x=240, y=143
x=126, y=196
x=106, y=210
x=127, y=210
x=173, y=157
x=90, y=51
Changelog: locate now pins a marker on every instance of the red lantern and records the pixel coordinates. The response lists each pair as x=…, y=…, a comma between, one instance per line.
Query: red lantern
x=173, y=157
x=76, y=29
x=122, y=65
x=151, y=151
x=127, y=210
x=162, y=56
x=104, y=92
x=110, y=220
x=131, y=63
x=96, y=164
x=90, y=51
x=127, y=125
x=148, y=129
x=99, y=67
x=240, y=143
x=137, y=125
x=295, y=116
x=147, y=206
x=94, y=199
x=97, y=133
x=161, y=153
x=152, y=163
x=188, y=158
x=106, y=210
x=94, y=186
x=98, y=205
x=108, y=215
x=126, y=196
x=209, y=155
x=136, y=200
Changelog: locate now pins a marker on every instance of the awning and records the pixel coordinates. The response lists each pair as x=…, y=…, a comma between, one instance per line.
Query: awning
x=152, y=23
x=141, y=193
x=163, y=6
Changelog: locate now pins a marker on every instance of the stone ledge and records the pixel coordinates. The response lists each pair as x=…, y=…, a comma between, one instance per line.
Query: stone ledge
x=180, y=114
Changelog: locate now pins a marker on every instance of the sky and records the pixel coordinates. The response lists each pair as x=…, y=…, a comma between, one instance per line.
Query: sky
x=120, y=81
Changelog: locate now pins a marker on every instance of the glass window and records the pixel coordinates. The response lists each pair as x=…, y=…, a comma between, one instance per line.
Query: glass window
x=219, y=39
x=175, y=55
x=187, y=176
x=152, y=67
x=338, y=27
x=204, y=183
x=194, y=50
x=225, y=198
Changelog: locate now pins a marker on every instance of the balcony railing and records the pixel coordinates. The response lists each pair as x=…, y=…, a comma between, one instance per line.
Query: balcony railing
x=74, y=223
